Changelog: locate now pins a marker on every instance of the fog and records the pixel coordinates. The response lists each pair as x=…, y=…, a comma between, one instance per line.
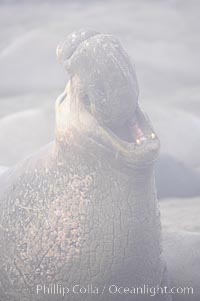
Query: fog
x=162, y=39
x=73, y=216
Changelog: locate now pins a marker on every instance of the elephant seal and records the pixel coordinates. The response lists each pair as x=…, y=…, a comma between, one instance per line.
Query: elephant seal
x=82, y=214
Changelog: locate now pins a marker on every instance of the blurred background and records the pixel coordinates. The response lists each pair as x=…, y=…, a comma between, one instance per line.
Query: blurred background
x=162, y=39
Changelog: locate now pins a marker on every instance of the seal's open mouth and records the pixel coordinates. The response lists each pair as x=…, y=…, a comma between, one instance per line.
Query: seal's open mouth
x=135, y=141
x=136, y=130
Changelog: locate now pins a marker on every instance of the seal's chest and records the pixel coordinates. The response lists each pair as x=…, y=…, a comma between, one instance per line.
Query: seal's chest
x=42, y=226
x=58, y=223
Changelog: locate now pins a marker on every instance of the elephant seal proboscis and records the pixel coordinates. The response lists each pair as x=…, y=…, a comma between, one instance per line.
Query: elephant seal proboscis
x=84, y=210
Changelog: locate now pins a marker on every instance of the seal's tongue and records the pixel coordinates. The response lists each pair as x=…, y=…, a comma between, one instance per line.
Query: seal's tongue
x=138, y=133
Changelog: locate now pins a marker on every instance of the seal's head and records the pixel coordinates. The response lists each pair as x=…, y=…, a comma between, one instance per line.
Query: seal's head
x=101, y=98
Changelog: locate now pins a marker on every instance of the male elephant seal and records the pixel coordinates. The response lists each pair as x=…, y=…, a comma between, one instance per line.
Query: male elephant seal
x=83, y=211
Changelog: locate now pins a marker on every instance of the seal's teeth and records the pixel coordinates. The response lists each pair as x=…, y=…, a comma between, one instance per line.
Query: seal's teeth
x=138, y=142
x=153, y=135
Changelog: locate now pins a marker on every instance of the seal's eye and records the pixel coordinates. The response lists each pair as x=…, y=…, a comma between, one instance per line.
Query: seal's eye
x=86, y=100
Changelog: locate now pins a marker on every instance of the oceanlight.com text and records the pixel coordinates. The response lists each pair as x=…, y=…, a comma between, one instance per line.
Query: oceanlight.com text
x=91, y=289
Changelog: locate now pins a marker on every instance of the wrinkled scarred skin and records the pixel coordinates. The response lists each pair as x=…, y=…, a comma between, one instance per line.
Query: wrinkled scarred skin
x=84, y=209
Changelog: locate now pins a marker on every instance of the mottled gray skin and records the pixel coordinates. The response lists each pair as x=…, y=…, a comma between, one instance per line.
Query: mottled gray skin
x=84, y=209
